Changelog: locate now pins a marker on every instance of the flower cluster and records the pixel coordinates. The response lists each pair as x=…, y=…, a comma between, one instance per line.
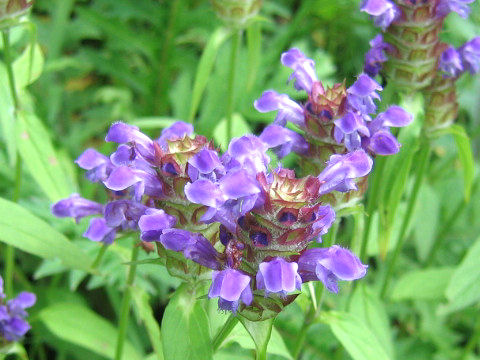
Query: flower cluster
x=334, y=120
x=414, y=58
x=12, y=315
x=230, y=212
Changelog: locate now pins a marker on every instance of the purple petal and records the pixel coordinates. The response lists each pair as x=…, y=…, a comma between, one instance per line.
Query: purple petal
x=247, y=152
x=153, y=222
x=76, y=207
x=470, y=53
x=383, y=11
x=99, y=231
x=303, y=69
x=450, y=62
x=461, y=7
x=228, y=284
x=177, y=130
x=22, y=301
x=91, y=159
x=204, y=163
x=384, y=143
x=202, y=252
x=204, y=192
x=395, y=116
x=121, y=178
x=283, y=140
x=176, y=239
x=343, y=263
x=288, y=110
x=278, y=276
x=237, y=184
x=325, y=217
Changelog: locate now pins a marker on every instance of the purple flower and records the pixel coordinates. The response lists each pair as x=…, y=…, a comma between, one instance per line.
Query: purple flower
x=283, y=140
x=279, y=277
x=288, y=110
x=144, y=182
x=99, y=231
x=153, y=222
x=470, y=53
x=247, y=152
x=342, y=170
x=194, y=247
x=461, y=7
x=450, y=62
x=12, y=315
x=330, y=265
x=205, y=165
x=303, y=69
x=324, y=219
x=76, y=207
x=350, y=128
x=376, y=56
x=231, y=287
x=176, y=131
x=384, y=12
x=381, y=141
x=362, y=94
x=124, y=213
x=122, y=133
x=98, y=165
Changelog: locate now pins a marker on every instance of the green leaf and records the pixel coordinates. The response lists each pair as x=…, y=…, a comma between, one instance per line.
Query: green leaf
x=79, y=325
x=29, y=66
x=465, y=156
x=260, y=332
x=25, y=231
x=368, y=307
x=428, y=284
x=205, y=67
x=425, y=227
x=40, y=158
x=355, y=336
x=464, y=287
x=145, y=312
x=185, y=328
x=239, y=127
x=7, y=117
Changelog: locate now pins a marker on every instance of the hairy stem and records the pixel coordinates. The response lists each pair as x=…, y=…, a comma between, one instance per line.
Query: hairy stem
x=236, y=40
x=422, y=165
x=125, y=307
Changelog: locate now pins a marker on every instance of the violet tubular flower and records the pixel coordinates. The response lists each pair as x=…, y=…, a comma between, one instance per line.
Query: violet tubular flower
x=384, y=12
x=450, y=62
x=461, y=7
x=232, y=288
x=278, y=276
x=13, y=323
x=376, y=56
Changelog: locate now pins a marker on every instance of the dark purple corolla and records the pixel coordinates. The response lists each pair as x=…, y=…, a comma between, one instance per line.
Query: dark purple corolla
x=283, y=141
x=231, y=287
x=13, y=325
x=329, y=265
x=76, y=207
x=278, y=276
x=303, y=69
x=384, y=12
x=288, y=109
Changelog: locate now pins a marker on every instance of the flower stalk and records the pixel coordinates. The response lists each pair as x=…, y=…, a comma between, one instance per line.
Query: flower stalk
x=235, y=48
x=125, y=307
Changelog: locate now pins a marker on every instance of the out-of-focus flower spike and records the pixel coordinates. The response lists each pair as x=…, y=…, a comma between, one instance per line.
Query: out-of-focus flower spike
x=288, y=110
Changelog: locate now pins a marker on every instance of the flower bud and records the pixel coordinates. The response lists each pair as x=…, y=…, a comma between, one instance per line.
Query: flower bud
x=12, y=10
x=235, y=13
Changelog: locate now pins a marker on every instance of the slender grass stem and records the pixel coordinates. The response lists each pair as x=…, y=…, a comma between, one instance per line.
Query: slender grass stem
x=313, y=313
x=423, y=157
x=224, y=332
x=472, y=341
x=125, y=307
x=99, y=257
x=236, y=40
x=10, y=251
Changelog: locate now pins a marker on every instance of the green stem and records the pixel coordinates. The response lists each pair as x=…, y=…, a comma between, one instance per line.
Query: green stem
x=10, y=251
x=312, y=313
x=125, y=307
x=99, y=257
x=423, y=158
x=224, y=331
x=236, y=40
